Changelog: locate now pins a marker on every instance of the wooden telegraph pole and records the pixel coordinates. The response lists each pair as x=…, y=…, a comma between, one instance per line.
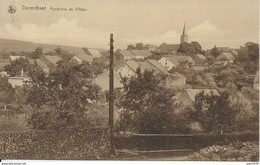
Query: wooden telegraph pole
x=111, y=95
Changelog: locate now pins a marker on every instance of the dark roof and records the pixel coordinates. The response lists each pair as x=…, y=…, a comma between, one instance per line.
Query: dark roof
x=165, y=46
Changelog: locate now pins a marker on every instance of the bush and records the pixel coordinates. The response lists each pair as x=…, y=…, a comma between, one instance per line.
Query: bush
x=237, y=151
x=62, y=144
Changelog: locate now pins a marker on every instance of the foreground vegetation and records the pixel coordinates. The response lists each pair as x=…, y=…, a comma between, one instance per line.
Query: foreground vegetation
x=237, y=151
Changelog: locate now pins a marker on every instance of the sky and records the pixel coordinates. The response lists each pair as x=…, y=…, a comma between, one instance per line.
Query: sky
x=210, y=22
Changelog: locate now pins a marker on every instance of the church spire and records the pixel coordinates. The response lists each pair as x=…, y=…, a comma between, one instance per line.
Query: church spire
x=184, y=31
x=184, y=36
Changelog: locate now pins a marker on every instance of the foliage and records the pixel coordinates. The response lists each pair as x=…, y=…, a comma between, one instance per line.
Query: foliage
x=248, y=57
x=215, y=51
x=232, y=75
x=37, y=53
x=99, y=64
x=201, y=79
x=236, y=151
x=6, y=91
x=63, y=96
x=16, y=66
x=196, y=47
x=225, y=112
x=148, y=106
x=190, y=48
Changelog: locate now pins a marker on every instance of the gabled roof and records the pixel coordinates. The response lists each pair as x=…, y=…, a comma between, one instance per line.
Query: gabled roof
x=201, y=56
x=165, y=46
x=234, y=52
x=103, y=80
x=126, y=53
x=256, y=79
x=85, y=57
x=176, y=75
x=193, y=92
x=52, y=59
x=40, y=63
x=143, y=53
x=158, y=65
x=228, y=55
x=224, y=63
x=172, y=60
x=16, y=57
x=181, y=59
x=147, y=66
x=132, y=65
x=94, y=52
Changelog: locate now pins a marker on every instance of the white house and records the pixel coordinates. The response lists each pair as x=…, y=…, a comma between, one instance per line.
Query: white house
x=129, y=69
x=18, y=81
x=168, y=62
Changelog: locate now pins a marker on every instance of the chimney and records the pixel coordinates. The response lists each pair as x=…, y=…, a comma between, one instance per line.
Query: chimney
x=22, y=73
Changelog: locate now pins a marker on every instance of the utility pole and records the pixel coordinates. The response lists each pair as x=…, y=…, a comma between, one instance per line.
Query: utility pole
x=111, y=95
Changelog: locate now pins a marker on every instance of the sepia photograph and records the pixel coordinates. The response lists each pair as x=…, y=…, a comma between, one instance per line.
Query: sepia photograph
x=121, y=80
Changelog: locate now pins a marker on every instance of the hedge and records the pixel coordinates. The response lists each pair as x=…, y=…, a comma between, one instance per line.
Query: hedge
x=62, y=144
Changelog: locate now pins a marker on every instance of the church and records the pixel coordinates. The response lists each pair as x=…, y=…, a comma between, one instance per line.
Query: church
x=172, y=48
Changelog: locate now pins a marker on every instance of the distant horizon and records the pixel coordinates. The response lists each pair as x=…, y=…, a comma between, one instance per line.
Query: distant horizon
x=57, y=44
x=229, y=23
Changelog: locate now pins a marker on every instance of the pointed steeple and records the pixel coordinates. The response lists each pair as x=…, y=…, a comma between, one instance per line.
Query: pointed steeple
x=184, y=36
x=184, y=30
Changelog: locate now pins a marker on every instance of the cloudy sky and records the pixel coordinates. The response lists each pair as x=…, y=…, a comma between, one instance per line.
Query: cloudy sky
x=210, y=22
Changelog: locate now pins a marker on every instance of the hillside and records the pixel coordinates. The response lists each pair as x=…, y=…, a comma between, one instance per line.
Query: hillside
x=8, y=45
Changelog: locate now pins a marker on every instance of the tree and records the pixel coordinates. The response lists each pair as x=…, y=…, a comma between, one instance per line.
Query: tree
x=232, y=75
x=148, y=106
x=139, y=46
x=212, y=112
x=99, y=64
x=58, y=51
x=6, y=91
x=37, y=53
x=248, y=57
x=63, y=96
x=186, y=48
x=16, y=66
x=215, y=51
x=196, y=47
x=130, y=47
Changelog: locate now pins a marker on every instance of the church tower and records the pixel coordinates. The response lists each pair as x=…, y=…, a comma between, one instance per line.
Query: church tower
x=184, y=36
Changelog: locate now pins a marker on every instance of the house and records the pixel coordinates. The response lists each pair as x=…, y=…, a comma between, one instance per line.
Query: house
x=256, y=81
x=220, y=63
x=152, y=65
x=187, y=97
x=128, y=69
x=18, y=81
x=225, y=56
x=12, y=58
x=168, y=62
x=50, y=61
x=199, y=59
x=103, y=80
x=184, y=61
x=128, y=55
x=149, y=47
x=175, y=80
x=234, y=53
x=41, y=64
x=80, y=58
x=93, y=52
x=141, y=54
x=158, y=66
x=169, y=48
x=198, y=68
